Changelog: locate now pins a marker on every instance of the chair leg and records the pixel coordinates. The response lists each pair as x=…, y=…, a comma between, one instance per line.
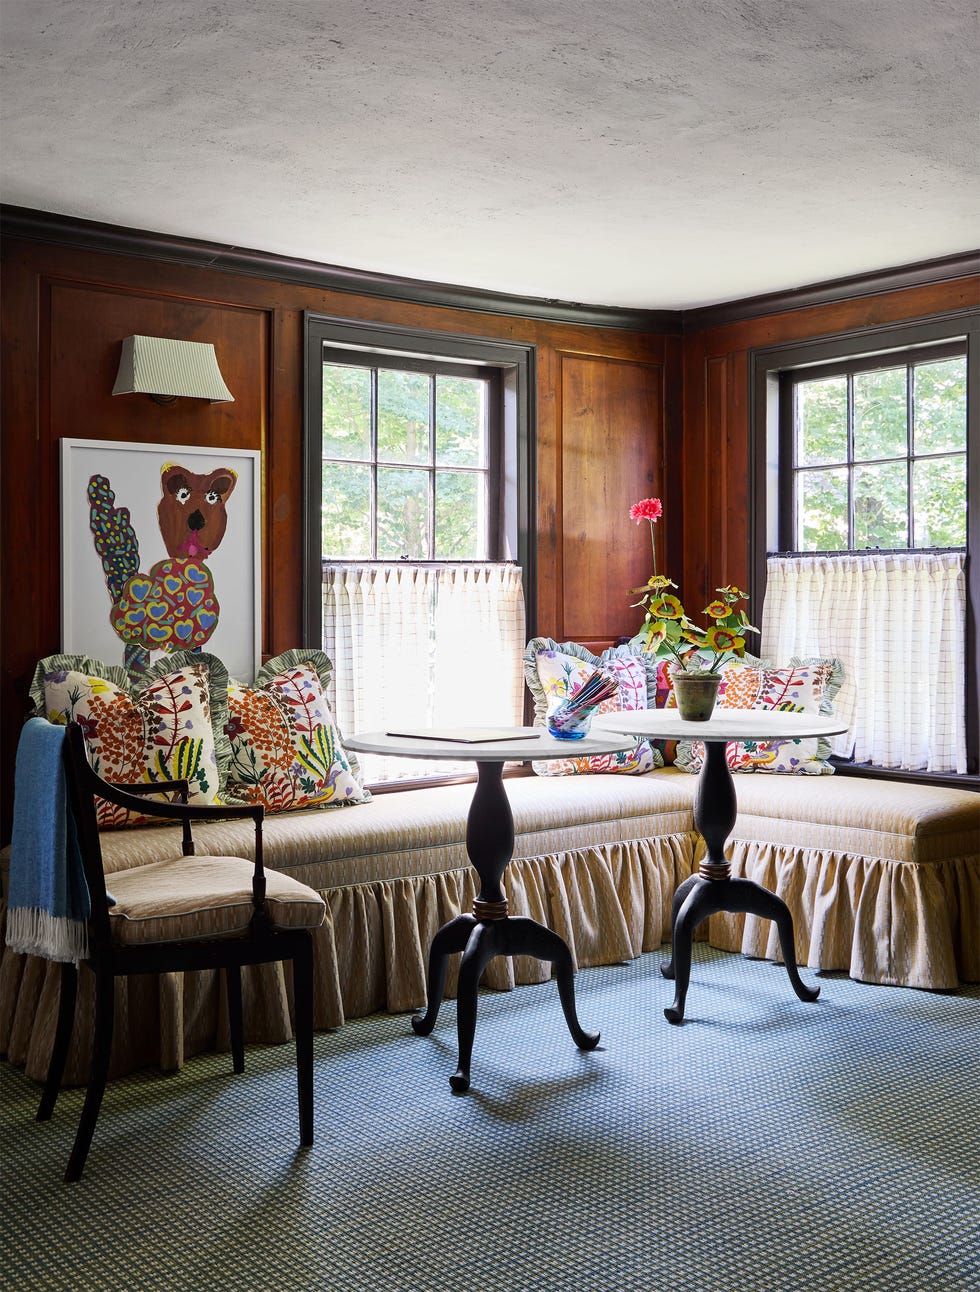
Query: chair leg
x=101, y=1047
x=236, y=1026
x=59, y=1050
x=303, y=1009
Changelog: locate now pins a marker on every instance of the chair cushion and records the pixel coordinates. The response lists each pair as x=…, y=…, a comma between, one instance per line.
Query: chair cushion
x=186, y=899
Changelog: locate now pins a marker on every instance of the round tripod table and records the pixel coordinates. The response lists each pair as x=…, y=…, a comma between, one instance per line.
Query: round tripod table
x=712, y=889
x=490, y=931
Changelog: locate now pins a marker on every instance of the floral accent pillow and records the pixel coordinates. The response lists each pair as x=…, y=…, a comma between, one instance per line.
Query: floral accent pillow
x=286, y=751
x=552, y=669
x=806, y=686
x=167, y=725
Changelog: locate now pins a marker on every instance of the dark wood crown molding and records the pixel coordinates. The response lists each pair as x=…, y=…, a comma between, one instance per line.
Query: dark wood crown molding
x=90, y=235
x=924, y=273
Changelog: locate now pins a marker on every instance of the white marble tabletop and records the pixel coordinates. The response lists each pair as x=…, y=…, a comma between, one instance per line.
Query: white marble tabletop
x=453, y=744
x=724, y=724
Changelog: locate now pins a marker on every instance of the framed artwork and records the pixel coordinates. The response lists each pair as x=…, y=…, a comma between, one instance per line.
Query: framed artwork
x=160, y=553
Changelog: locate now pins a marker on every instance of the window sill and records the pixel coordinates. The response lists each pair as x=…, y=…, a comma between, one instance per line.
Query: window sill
x=433, y=782
x=948, y=779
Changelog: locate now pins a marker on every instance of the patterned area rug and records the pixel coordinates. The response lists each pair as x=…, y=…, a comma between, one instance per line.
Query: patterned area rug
x=766, y=1146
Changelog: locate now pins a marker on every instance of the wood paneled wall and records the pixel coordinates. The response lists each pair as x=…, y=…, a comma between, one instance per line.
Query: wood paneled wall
x=716, y=417
x=602, y=440
x=620, y=415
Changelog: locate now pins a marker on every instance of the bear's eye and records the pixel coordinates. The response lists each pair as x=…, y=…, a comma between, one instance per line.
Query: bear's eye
x=182, y=494
x=212, y=496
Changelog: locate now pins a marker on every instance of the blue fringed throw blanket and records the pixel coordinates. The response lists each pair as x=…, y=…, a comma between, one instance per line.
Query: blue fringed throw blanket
x=48, y=902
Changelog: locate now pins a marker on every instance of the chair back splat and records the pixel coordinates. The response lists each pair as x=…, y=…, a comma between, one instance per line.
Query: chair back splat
x=184, y=914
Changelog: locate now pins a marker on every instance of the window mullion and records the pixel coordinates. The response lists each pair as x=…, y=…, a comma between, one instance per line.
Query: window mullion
x=374, y=464
x=431, y=527
x=910, y=446
x=851, y=527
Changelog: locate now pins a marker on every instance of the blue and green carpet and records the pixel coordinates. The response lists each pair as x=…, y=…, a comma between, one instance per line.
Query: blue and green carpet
x=766, y=1146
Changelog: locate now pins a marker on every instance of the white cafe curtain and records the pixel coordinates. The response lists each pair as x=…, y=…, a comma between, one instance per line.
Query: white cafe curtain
x=423, y=646
x=897, y=622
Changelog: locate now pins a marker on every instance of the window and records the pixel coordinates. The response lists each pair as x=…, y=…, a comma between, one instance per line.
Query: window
x=866, y=485
x=409, y=466
x=876, y=454
x=418, y=518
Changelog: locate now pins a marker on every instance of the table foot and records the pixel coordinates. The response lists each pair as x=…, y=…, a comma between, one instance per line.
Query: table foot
x=450, y=938
x=531, y=938
x=667, y=968
x=480, y=942
x=700, y=898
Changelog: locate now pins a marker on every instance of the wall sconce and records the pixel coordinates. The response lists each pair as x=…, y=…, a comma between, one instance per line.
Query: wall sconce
x=167, y=370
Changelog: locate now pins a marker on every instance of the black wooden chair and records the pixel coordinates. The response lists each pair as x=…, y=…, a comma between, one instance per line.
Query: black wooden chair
x=182, y=914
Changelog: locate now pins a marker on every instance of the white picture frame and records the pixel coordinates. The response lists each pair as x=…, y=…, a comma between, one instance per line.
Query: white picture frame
x=134, y=472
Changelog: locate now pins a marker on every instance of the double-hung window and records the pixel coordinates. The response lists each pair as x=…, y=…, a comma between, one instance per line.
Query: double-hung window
x=418, y=514
x=867, y=466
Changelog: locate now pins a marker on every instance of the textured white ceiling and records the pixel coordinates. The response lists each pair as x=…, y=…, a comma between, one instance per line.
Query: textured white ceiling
x=646, y=153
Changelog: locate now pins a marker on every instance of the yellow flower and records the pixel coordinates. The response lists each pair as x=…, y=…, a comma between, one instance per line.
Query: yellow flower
x=59, y=717
x=722, y=639
x=717, y=610
x=667, y=608
x=656, y=632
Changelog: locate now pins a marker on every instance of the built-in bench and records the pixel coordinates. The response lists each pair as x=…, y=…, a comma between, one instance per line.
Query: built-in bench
x=883, y=880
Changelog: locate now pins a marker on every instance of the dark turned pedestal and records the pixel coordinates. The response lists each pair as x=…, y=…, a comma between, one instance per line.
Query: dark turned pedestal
x=489, y=931
x=713, y=889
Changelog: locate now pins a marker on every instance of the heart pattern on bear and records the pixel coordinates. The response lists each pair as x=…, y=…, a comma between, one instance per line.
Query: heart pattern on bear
x=172, y=606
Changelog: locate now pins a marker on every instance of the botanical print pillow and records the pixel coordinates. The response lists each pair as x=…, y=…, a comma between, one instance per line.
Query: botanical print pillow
x=286, y=751
x=803, y=687
x=559, y=670
x=166, y=726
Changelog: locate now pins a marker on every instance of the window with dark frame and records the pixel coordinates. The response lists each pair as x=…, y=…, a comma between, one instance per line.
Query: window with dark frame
x=418, y=525
x=410, y=457
x=502, y=483
x=905, y=476
x=873, y=454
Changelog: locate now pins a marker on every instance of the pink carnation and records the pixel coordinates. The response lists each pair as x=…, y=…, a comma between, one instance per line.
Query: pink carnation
x=649, y=509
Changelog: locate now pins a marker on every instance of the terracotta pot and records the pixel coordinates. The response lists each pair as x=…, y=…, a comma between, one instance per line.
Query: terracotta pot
x=696, y=694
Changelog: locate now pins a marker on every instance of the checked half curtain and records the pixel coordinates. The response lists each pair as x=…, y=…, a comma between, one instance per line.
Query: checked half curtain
x=424, y=646
x=897, y=623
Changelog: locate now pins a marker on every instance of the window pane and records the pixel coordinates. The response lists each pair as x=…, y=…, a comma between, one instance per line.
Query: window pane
x=821, y=425
x=460, y=421
x=403, y=416
x=880, y=414
x=460, y=508
x=346, y=511
x=940, y=406
x=403, y=514
x=346, y=412
x=822, y=510
x=939, y=501
x=881, y=506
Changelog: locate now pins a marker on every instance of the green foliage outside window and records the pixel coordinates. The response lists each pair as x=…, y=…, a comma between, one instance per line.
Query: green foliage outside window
x=420, y=488
x=870, y=475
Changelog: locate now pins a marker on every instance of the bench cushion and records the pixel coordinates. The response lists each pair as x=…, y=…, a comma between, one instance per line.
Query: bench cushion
x=889, y=820
x=423, y=831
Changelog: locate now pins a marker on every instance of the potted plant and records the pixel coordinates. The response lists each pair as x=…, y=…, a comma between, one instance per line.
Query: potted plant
x=667, y=630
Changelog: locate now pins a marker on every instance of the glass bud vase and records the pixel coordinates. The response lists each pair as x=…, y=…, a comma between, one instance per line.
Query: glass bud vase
x=696, y=694
x=566, y=722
